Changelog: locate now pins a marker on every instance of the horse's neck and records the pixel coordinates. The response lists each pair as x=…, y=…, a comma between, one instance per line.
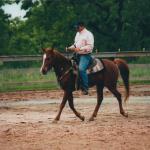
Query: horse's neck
x=61, y=65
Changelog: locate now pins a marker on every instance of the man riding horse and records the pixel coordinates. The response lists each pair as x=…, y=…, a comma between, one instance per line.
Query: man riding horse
x=83, y=47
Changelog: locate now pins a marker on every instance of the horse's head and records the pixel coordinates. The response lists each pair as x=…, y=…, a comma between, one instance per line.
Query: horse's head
x=48, y=60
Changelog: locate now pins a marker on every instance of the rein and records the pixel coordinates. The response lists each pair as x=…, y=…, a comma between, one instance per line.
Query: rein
x=65, y=74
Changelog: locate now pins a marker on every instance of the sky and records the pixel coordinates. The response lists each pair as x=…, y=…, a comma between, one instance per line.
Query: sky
x=14, y=10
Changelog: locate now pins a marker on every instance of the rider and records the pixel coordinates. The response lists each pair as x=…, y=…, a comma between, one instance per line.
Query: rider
x=83, y=47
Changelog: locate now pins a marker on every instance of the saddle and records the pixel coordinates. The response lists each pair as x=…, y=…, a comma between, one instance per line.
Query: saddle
x=96, y=66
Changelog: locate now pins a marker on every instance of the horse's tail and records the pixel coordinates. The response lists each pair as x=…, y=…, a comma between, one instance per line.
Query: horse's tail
x=124, y=72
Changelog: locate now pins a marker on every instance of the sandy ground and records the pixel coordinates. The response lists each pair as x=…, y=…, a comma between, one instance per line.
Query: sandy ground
x=26, y=122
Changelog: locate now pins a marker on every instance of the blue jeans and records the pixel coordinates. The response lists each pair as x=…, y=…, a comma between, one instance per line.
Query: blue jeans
x=84, y=62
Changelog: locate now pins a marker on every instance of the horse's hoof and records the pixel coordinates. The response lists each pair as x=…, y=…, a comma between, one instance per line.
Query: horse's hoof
x=126, y=114
x=82, y=118
x=55, y=121
x=91, y=119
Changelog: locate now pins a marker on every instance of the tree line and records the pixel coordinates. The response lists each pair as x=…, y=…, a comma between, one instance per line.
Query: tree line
x=116, y=24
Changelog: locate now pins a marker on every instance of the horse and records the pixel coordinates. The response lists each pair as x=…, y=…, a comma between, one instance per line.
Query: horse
x=106, y=78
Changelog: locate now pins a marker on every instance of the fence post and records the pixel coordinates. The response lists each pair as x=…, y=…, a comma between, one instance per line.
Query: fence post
x=96, y=51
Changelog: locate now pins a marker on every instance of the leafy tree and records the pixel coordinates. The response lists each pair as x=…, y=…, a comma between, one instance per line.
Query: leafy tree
x=123, y=24
x=4, y=29
x=136, y=28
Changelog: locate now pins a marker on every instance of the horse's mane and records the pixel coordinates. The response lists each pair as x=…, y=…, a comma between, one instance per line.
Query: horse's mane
x=61, y=58
x=60, y=55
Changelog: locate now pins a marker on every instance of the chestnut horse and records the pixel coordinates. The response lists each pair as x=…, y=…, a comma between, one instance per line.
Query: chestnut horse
x=106, y=78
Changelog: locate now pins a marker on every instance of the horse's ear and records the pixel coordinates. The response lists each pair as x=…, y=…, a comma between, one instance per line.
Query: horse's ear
x=53, y=46
x=52, y=49
x=43, y=49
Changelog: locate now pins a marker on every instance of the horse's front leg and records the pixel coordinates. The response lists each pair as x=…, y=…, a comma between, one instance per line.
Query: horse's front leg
x=62, y=105
x=71, y=104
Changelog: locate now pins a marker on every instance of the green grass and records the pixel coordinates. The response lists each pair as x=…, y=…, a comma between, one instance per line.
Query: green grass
x=24, y=75
x=41, y=86
x=140, y=72
x=32, y=79
x=26, y=79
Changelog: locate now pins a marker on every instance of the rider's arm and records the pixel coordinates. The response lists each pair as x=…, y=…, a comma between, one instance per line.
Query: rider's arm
x=72, y=47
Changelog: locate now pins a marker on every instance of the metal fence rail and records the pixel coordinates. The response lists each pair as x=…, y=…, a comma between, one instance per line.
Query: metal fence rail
x=99, y=54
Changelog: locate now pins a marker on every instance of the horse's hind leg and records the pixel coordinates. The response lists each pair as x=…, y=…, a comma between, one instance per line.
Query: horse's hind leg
x=99, y=101
x=71, y=104
x=65, y=97
x=118, y=96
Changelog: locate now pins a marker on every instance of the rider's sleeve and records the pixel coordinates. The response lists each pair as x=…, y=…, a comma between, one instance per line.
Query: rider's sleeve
x=89, y=45
x=74, y=45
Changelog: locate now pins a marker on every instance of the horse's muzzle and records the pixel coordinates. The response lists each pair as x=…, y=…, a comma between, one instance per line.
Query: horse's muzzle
x=43, y=71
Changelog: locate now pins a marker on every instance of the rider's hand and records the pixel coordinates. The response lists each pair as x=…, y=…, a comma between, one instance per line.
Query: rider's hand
x=72, y=49
x=76, y=49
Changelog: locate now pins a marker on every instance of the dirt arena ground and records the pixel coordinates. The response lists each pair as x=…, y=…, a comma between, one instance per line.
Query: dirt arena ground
x=26, y=122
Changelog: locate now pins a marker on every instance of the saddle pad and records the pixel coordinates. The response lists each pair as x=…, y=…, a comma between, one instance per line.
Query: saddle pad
x=97, y=67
